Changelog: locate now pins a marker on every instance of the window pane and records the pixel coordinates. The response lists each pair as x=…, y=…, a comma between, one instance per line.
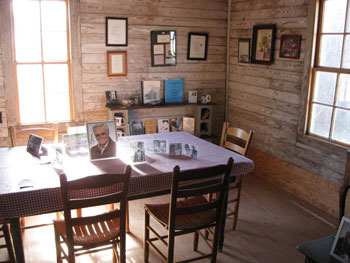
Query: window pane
x=26, y=15
x=54, y=16
x=334, y=16
x=343, y=97
x=57, y=92
x=28, y=46
x=346, y=58
x=321, y=120
x=55, y=46
x=330, y=50
x=30, y=93
x=324, y=87
x=341, y=129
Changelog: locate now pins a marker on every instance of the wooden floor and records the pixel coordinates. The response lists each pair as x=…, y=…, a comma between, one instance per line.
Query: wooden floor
x=271, y=224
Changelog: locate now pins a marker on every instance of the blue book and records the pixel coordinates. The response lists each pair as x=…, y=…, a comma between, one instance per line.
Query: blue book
x=173, y=90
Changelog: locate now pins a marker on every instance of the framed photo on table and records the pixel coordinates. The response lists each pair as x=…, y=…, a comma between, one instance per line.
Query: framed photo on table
x=244, y=50
x=197, y=46
x=151, y=91
x=116, y=31
x=341, y=245
x=116, y=63
x=290, y=46
x=263, y=46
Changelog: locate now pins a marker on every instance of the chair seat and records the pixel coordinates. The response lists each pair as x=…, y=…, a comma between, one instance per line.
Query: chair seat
x=318, y=250
x=161, y=213
x=90, y=234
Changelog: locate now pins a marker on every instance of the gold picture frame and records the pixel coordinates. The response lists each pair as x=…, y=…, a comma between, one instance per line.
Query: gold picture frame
x=116, y=63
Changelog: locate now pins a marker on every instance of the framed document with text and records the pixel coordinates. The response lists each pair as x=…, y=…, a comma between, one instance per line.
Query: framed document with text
x=197, y=46
x=116, y=31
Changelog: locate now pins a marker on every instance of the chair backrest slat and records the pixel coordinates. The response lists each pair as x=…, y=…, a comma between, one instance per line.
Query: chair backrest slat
x=241, y=139
x=20, y=136
x=198, y=191
x=94, y=201
x=76, y=221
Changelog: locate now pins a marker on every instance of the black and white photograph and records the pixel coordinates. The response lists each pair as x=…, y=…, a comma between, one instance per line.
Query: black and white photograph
x=102, y=140
x=175, y=149
x=151, y=91
x=160, y=146
x=190, y=150
x=163, y=125
x=341, y=246
x=137, y=149
x=137, y=128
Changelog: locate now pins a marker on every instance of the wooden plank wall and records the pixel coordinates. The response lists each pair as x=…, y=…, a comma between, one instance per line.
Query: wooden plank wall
x=267, y=99
x=207, y=77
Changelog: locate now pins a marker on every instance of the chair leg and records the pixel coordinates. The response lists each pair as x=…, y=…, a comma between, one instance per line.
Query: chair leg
x=195, y=240
x=127, y=226
x=8, y=241
x=171, y=244
x=146, y=238
x=236, y=204
x=214, y=249
x=23, y=221
x=58, y=247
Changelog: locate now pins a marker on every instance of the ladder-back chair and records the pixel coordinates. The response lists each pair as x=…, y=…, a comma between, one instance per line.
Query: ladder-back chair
x=5, y=233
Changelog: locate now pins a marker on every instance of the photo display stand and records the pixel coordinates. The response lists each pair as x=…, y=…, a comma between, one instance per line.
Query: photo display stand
x=34, y=145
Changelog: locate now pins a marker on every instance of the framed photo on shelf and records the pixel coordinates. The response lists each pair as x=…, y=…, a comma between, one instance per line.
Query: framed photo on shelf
x=151, y=91
x=244, y=50
x=116, y=31
x=197, y=46
x=163, y=48
x=111, y=97
x=341, y=245
x=116, y=63
x=290, y=46
x=173, y=90
x=263, y=44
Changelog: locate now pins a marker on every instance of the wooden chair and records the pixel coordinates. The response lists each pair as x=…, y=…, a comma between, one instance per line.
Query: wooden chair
x=190, y=214
x=237, y=140
x=5, y=233
x=91, y=234
x=318, y=250
x=21, y=136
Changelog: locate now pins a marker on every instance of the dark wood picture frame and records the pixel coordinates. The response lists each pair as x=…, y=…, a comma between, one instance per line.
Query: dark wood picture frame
x=34, y=144
x=290, y=46
x=197, y=46
x=115, y=61
x=263, y=45
x=116, y=31
x=244, y=50
x=163, y=48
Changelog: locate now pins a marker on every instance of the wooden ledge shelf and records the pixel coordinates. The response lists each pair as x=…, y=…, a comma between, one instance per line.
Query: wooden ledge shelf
x=160, y=105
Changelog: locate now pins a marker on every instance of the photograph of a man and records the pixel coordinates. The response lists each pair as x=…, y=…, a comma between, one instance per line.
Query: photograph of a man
x=102, y=140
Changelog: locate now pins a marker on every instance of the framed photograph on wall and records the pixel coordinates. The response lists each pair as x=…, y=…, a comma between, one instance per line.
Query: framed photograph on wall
x=116, y=31
x=290, y=46
x=263, y=45
x=341, y=245
x=244, y=50
x=197, y=46
x=163, y=48
x=116, y=63
x=151, y=91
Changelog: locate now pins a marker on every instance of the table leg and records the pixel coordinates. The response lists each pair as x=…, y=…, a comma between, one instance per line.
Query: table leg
x=17, y=239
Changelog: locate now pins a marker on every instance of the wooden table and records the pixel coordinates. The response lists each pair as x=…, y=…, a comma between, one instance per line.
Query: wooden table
x=150, y=178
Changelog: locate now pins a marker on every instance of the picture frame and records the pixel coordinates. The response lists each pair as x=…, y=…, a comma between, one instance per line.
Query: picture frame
x=34, y=144
x=197, y=48
x=163, y=48
x=173, y=90
x=151, y=90
x=116, y=63
x=263, y=45
x=341, y=244
x=111, y=97
x=290, y=46
x=116, y=31
x=244, y=50
x=99, y=134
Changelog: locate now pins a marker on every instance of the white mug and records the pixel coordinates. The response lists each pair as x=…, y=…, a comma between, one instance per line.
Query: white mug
x=120, y=133
x=205, y=98
x=119, y=121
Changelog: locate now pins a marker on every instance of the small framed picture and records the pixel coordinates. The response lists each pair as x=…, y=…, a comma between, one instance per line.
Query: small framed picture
x=111, y=97
x=163, y=125
x=197, y=46
x=116, y=63
x=102, y=138
x=34, y=144
x=244, y=50
x=116, y=31
x=341, y=245
x=138, y=153
x=151, y=91
x=290, y=46
x=192, y=96
x=263, y=46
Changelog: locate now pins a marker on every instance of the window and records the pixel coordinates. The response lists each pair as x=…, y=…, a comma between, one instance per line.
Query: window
x=329, y=114
x=42, y=60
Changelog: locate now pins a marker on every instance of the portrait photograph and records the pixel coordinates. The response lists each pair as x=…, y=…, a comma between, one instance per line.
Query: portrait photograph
x=341, y=246
x=102, y=140
x=160, y=146
x=175, y=149
x=138, y=153
x=190, y=150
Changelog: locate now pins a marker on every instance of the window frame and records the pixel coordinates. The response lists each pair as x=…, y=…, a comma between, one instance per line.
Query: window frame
x=68, y=62
x=315, y=67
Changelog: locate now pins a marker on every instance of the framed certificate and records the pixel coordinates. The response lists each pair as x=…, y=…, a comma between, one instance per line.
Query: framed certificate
x=197, y=46
x=116, y=31
x=116, y=63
